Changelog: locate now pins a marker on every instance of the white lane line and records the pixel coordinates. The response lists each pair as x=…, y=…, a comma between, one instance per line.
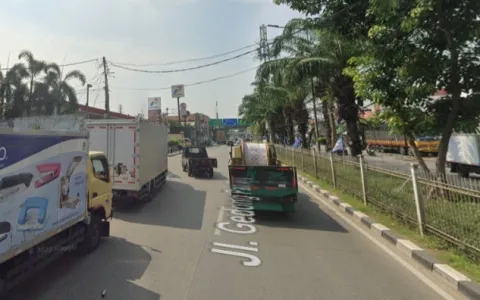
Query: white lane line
x=445, y=295
x=219, y=219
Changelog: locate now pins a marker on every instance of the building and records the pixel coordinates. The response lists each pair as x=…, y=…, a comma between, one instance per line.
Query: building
x=201, y=132
x=98, y=113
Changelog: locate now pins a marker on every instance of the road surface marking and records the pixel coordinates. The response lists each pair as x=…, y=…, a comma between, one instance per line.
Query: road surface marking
x=445, y=295
x=219, y=219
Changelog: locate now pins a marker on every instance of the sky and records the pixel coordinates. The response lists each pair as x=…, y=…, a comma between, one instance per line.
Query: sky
x=145, y=35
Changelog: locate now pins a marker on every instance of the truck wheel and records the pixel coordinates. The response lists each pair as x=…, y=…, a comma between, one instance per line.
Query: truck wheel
x=184, y=168
x=93, y=235
x=190, y=172
x=210, y=173
x=2, y=286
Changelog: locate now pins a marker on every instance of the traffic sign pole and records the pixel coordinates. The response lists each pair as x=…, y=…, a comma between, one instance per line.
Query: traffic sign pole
x=178, y=107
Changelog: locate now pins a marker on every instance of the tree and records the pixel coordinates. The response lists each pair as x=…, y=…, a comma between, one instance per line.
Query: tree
x=60, y=92
x=321, y=55
x=34, y=68
x=417, y=47
x=36, y=84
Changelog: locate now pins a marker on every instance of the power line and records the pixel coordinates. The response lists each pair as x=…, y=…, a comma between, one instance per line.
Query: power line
x=65, y=65
x=185, y=69
x=188, y=60
x=190, y=84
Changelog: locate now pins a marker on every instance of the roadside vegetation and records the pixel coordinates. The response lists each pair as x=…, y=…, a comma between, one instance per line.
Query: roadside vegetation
x=32, y=86
x=347, y=54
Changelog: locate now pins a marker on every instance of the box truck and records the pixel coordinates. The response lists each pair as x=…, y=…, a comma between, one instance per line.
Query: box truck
x=137, y=153
x=463, y=156
x=55, y=196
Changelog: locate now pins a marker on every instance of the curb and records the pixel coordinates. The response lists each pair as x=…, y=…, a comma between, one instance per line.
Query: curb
x=420, y=256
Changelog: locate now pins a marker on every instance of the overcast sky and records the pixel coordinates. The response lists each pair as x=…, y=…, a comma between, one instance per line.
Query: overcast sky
x=148, y=33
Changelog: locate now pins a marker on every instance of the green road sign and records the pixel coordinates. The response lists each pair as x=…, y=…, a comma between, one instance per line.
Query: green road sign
x=215, y=123
x=221, y=123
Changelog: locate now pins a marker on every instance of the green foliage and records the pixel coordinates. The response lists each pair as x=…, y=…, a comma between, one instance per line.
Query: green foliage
x=39, y=85
x=322, y=141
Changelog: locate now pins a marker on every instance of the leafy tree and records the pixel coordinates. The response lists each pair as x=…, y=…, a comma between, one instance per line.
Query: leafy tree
x=417, y=47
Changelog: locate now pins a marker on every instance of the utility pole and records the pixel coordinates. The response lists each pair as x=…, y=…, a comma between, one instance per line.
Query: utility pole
x=216, y=109
x=88, y=92
x=264, y=49
x=107, y=95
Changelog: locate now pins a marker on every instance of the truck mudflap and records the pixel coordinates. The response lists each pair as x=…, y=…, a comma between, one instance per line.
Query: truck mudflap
x=272, y=187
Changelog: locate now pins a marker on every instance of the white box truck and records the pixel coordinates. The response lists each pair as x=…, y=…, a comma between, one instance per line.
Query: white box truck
x=55, y=196
x=137, y=153
x=463, y=156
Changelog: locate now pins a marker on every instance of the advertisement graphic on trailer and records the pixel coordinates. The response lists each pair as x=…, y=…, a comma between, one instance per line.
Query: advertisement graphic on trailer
x=42, y=185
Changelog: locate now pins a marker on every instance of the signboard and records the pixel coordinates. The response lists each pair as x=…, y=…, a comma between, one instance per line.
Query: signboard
x=154, y=103
x=183, y=109
x=230, y=122
x=227, y=122
x=178, y=91
x=215, y=123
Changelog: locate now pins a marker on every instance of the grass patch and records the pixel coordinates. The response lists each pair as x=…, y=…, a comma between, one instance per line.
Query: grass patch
x=437, y=247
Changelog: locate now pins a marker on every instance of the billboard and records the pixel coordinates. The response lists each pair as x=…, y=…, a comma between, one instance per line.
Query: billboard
x=154, y=103
x=178, y=91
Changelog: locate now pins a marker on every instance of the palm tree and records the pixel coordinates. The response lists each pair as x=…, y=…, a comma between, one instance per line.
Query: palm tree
x=13, y=91
x=34, y=68
x=322, y=55
x=59, y=89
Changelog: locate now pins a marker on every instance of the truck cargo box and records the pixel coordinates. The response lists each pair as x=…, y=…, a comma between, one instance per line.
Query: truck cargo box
x=39, y=172
x=137, y=151
x=464, y=149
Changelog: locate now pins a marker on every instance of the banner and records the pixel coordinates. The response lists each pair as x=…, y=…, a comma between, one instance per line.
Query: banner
x=154, y=103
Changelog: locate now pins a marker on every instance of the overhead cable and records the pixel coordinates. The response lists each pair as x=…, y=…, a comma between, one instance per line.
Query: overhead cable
x=184, y=69
x=187, y=60
x=190, y=84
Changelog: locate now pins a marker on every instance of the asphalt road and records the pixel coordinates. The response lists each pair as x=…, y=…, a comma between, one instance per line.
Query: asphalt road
x=163, y=250
x=396, y=162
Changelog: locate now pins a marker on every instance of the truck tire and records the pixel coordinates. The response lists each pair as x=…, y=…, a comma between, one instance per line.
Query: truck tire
x=93, y=235
x=2, y=286
x=210, y=173
x=190, y=172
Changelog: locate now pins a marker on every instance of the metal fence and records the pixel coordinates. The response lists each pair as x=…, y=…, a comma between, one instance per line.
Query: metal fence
x=420, y=200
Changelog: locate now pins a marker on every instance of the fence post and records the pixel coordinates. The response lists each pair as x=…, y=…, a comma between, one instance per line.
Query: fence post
x=334, y=181
x=302, y=159
x=363, y=179
x=419, y=205
x=315, y=162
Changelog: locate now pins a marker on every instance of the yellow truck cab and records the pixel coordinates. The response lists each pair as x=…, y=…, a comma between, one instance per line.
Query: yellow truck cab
x=99, y=184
